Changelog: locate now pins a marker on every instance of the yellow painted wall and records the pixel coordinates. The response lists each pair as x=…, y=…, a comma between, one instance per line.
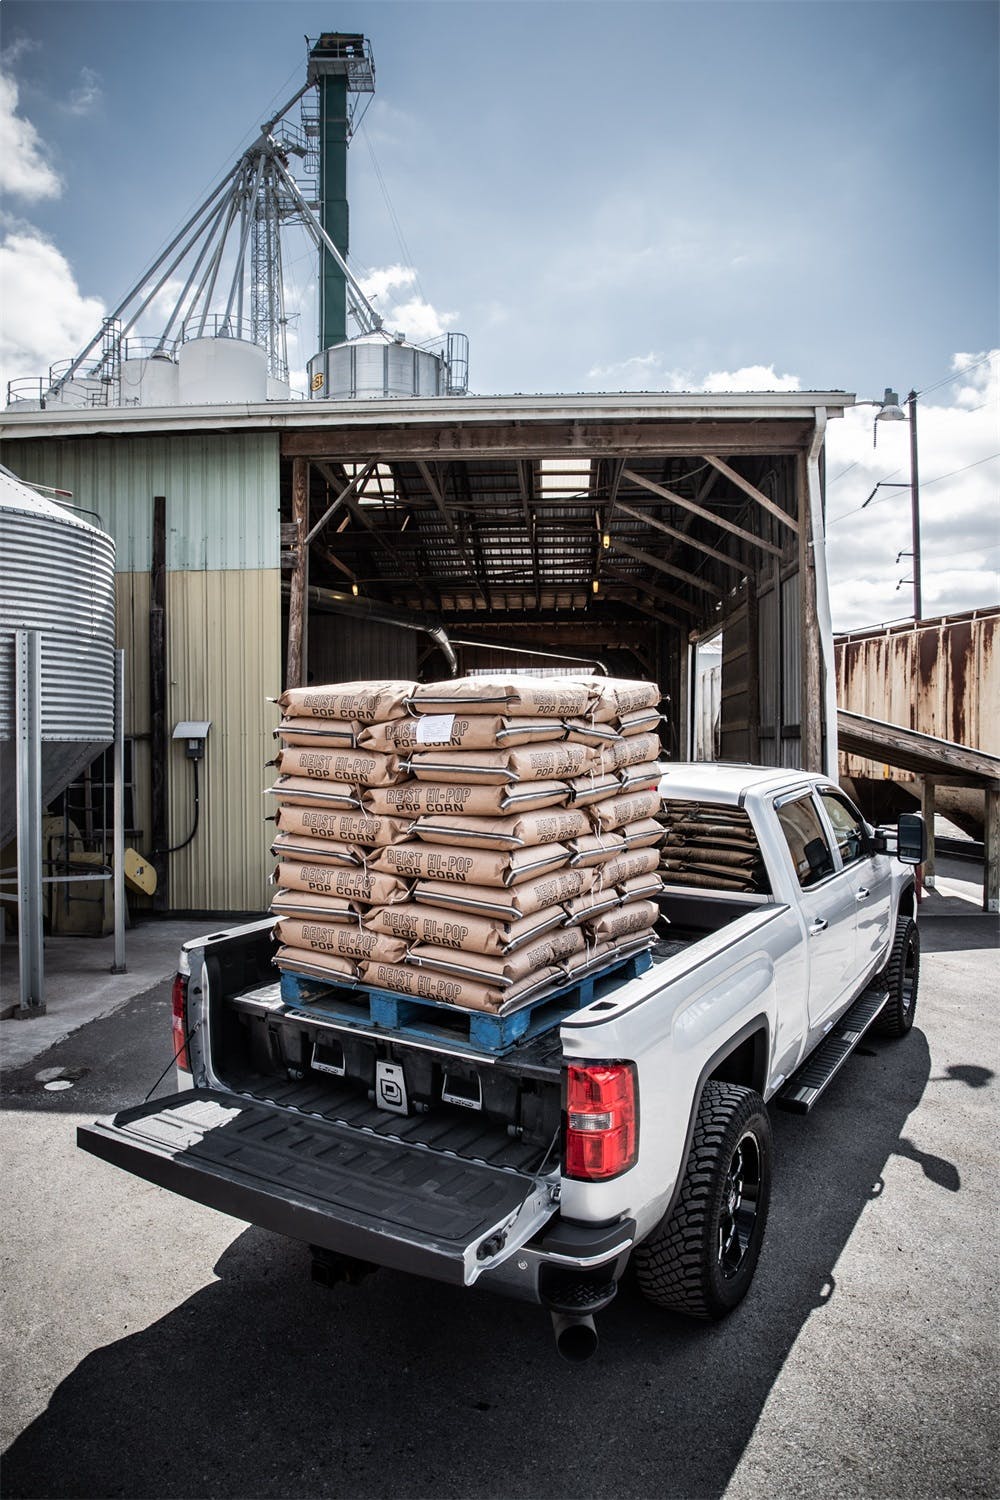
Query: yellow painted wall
x=223, y=662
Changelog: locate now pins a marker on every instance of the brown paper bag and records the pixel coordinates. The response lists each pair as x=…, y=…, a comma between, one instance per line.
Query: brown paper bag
x=628, y=921
x=509, y=904
x=340, y=940
x=588, y=732
x=548, y=952
x=612, y=697
x=322, y=734
x=448, y=989
x=346, y=827
x=644, y=833
x=630, y=806
x=356, y=767
x=595, y=849
x=594, y=787
x=468, y=866
x=591, y=905
x=634, y=750
x=640, y=888
x=366, y=701
x=641, y=777
x=536, y=697
x=628, y=865
x=517, y=832
x=414, y=923
x=316, y=965
x=364, y=886
x=415, y=798
x=458, y=732
x=642, y=721
x=300, y=846
x=302, y=791
x=323, y=908
x=557, y=761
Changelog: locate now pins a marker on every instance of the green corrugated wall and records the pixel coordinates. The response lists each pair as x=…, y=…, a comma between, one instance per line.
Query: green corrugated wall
x=223, y=630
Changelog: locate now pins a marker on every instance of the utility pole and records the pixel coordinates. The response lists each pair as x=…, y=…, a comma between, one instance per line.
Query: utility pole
x=911, y=402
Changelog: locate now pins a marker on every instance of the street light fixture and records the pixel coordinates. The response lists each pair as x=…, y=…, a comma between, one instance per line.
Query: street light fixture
x=889, y=410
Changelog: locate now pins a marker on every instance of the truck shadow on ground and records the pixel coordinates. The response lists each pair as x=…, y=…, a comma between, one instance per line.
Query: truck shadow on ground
x=263, y=1384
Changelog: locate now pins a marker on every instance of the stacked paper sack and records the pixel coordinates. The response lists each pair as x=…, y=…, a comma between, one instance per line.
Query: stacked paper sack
x=471, y=841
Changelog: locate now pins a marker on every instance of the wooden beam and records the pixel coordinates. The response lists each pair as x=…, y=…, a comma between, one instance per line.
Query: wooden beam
x=769, y=505
x=811, y=670
x=699, y=510
x=356, y=483
x=664, y=567
x=401, y=561
x=991, y=861
x=657, y=614
x=680, y=536
x=927, y=807
x=766, y=438
x=296, y=646
x=665, y=596
x=434, y=491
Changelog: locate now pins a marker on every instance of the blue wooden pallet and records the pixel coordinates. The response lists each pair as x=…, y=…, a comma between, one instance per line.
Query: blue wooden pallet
x=434, y=1021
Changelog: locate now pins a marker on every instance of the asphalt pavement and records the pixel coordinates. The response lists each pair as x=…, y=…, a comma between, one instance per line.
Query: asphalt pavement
x=156, y=1348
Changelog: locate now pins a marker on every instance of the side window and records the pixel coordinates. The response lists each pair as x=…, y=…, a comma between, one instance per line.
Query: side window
x=848, y=829
x=806, y=840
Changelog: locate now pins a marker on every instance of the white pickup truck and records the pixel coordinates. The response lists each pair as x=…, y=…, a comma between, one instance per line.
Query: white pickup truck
x=636, y=1129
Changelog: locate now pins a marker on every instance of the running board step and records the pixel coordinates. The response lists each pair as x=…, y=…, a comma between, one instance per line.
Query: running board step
x=804, y=1088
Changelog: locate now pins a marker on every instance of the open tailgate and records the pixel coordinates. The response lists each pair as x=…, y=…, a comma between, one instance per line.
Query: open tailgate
x=408, y=1207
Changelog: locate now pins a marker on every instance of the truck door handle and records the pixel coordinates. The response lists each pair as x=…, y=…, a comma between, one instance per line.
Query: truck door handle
x=818, y=924
x=861, y=894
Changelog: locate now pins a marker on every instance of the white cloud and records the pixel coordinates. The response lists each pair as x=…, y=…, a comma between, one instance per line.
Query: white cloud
x=24, y=169
x=87, y=94
x=959, y=503
x=415, y=317
x=46, y=317
x=649, y=372
x=749, y=378
x=389, y=279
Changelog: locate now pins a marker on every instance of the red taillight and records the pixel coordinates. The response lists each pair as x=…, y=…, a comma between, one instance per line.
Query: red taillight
x=178, y=1007
x=602, y=1135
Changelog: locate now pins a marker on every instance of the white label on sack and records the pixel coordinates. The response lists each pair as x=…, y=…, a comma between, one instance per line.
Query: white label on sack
x=435, y=729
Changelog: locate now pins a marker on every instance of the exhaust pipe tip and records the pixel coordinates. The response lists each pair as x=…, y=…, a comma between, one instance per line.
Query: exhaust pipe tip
x=576, y=1337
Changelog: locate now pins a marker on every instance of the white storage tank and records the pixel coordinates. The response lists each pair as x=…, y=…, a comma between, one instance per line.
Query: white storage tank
x=150, y=380
x=57, y=576
x=216, y=370
x=373, y=367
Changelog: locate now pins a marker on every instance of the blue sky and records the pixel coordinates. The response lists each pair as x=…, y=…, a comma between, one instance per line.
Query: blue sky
x=603, y=196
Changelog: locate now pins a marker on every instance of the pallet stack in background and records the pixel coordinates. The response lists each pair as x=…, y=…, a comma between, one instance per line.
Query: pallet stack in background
x=474, y=841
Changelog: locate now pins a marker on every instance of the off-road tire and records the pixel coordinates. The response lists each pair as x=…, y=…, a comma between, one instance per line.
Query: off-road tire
x=901, y=977
x=682, y=1264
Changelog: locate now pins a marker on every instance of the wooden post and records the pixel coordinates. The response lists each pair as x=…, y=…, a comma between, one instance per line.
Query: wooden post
x=295, y=657
x=811, y=686
x=991, y=853
x=753, y=674
x=927, y=800
x=158, y=701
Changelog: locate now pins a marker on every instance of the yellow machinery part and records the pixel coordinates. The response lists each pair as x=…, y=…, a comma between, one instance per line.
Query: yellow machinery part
x=139, y=873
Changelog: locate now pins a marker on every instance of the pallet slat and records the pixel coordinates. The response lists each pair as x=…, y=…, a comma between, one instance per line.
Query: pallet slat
x=432, y=1020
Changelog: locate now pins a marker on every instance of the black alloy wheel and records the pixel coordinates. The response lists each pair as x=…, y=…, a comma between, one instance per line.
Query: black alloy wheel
x=700, y=1259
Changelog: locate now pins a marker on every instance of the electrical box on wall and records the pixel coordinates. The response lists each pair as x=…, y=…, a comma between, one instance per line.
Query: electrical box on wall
x=194, y=733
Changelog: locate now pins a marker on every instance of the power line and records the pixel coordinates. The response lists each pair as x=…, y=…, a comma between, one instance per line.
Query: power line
x=925, y=484
x=957, y=374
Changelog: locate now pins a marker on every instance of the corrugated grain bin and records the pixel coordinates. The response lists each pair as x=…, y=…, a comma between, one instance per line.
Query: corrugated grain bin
x=57, y=577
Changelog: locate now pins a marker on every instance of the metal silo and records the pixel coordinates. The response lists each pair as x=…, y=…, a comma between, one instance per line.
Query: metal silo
x=57, y=577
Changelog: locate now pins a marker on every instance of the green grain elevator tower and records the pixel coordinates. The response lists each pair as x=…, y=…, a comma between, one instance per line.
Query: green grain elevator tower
x=342, y=67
